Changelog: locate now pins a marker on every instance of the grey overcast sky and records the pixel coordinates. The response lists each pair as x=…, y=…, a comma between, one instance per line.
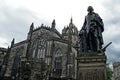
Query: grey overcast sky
x=17, y=15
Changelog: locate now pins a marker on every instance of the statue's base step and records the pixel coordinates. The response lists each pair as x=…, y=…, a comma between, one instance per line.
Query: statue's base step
x=53, y=78
x=91, y=66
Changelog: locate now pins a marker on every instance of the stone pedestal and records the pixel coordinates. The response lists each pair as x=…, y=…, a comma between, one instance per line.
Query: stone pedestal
x=91, y=66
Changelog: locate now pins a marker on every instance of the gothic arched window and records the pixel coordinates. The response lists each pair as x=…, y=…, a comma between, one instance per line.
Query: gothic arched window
x=33, y=55
x=41, y=49
x=34, y=49
x=58, y=62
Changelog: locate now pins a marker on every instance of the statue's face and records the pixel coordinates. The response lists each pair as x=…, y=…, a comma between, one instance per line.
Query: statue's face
x=90, y=9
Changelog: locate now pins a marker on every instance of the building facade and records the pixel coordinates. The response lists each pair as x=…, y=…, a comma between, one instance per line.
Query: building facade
x=3, y=52
x=44, y=55
x=116, y=71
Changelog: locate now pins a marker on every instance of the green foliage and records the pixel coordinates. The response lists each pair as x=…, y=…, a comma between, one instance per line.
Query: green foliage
x=109, y=73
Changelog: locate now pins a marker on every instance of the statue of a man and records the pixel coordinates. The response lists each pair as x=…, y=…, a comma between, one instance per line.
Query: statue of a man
x=92, y=29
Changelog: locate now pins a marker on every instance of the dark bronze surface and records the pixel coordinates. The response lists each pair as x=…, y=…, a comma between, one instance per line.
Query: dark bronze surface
x=90, y=35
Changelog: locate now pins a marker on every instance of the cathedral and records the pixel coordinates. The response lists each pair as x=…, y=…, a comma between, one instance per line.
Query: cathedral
x=46, y=54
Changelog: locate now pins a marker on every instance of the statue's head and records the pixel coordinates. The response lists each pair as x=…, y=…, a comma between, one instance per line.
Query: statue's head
x=90, y=9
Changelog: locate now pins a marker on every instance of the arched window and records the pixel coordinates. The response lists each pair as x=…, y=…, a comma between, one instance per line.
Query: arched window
x=41, y=49
x=58, y=62
x=33, y=55
x=34, y=45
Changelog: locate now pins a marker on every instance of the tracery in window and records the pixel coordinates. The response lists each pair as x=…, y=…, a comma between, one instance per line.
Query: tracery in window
x=34, y=50
x=58, y=62
x=41, y=49
x=33, y=55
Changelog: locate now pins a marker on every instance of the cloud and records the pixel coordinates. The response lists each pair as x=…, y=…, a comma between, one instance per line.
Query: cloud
x=16, y=17
x=15, y=22
x=112, y=29
x=3, y=42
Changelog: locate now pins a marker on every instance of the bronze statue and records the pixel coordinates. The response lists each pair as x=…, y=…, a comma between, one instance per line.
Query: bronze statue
x=91, y=32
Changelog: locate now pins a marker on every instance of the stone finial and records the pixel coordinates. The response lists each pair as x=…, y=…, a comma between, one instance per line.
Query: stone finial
x=53, y=24
x=31, y=27
x=13, y=42
x=42, y=25
x=71, y=20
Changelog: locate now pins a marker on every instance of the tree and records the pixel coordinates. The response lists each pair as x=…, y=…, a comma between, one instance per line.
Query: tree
x=109, y=73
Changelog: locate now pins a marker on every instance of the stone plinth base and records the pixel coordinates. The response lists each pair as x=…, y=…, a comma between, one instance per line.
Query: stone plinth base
x=91, y=66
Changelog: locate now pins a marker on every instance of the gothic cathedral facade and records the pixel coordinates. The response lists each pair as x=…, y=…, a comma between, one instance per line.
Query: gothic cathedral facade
x=46, y=54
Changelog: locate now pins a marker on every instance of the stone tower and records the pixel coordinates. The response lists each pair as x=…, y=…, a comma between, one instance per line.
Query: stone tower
x=70, y=33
